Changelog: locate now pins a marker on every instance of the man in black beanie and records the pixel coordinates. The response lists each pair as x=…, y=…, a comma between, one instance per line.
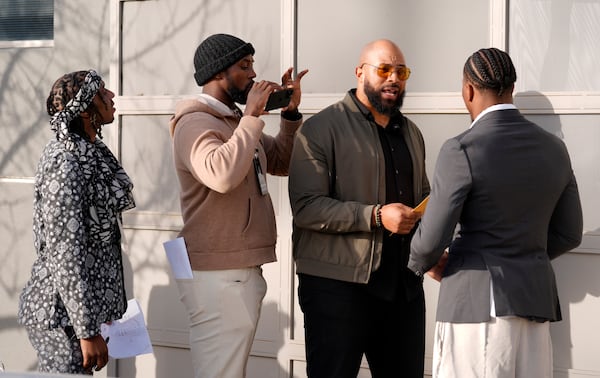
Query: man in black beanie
x=221, y=157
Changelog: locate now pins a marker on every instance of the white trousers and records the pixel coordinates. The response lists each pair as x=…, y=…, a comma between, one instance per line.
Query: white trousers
x=223, y=307
x=505, y=347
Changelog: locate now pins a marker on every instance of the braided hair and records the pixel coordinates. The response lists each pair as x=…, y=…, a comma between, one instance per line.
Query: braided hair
x=490, y=68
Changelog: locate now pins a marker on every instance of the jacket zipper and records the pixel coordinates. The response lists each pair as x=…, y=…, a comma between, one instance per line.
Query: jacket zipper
x=373, y=239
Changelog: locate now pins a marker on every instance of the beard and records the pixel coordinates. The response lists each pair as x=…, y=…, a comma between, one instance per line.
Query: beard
x=385, y=107
x=239, y=95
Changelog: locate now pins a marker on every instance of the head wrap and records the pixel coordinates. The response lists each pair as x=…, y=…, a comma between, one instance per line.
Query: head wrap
x=71, y=95
x=217, y=53
x=62, y=114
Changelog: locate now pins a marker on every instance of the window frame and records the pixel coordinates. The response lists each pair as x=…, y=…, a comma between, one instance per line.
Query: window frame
x=29, y=43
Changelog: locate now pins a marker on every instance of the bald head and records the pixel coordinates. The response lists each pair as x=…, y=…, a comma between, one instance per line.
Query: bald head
x=381, y=51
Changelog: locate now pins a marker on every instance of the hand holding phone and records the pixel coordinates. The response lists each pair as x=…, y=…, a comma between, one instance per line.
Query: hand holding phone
x=279, y=99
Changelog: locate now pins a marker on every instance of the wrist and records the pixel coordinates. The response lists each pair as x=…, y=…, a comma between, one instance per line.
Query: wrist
x=292, y=115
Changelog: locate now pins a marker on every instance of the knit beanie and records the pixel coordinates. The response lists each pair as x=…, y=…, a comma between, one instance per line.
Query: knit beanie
x=217, y=53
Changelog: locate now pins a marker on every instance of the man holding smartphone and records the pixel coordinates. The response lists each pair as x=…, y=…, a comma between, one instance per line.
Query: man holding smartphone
x=221, y=156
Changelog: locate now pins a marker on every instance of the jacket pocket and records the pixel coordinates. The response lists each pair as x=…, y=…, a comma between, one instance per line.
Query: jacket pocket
x=260, y=230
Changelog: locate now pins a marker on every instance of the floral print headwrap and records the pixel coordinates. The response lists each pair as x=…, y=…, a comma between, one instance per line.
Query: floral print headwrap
x=79, y=88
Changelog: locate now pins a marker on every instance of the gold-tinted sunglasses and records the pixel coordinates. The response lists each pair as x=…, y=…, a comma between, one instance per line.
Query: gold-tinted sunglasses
x=385, y=70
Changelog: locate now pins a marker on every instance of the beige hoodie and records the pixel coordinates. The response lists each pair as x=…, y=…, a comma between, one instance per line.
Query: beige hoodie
x=228, y=223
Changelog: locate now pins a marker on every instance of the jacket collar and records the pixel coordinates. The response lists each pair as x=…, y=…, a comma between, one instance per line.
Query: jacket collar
x=397, y=120
x=490, y=109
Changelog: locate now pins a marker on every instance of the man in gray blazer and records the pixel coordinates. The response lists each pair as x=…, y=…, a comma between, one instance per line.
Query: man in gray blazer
x=510, y=187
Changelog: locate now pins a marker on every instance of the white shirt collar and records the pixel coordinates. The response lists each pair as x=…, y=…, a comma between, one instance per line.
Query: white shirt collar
x=492, y=109
x=215, y=104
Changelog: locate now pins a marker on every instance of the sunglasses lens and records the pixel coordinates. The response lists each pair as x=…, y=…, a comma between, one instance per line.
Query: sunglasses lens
x=403, y=73
x=385, y=70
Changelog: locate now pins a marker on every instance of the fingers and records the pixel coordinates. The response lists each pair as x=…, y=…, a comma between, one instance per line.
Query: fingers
x=438, y=270
x=95, y=353
x=398, y=218
x=404, y=228
x=301, y=75
x=287, y=80
x=97, y=365
x=258, y=96
x=265, y=86
x=100, y=363
x=87, y=363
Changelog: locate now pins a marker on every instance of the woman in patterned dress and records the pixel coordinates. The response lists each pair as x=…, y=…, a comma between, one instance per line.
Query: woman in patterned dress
x=80, y=191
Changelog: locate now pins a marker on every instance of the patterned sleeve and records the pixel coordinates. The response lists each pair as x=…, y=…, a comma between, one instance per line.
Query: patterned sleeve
x=63, y=204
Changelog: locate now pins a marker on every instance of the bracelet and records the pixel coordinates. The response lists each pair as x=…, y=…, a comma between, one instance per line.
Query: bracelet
x=378, y=215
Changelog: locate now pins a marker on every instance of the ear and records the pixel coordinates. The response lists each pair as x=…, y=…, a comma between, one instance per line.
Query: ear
x=219, y=75
x=511, y=89
x=358, y=71
x=469, y=92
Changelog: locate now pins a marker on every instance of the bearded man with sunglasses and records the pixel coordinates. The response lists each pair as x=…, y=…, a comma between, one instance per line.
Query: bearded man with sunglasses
x=357, y=171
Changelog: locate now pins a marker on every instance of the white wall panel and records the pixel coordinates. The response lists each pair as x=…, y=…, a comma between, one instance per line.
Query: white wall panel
x=435, y=36
x=555, y=44
x=159, y=39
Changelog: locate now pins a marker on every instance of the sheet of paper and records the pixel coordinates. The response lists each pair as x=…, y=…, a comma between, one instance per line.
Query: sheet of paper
x=178, y=258
x=420, y=208
x=128, y=336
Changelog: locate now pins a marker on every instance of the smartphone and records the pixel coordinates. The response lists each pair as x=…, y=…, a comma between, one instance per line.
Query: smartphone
x=279, y=99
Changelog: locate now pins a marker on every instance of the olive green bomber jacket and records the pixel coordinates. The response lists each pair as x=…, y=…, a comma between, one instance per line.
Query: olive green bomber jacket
x=337, y=176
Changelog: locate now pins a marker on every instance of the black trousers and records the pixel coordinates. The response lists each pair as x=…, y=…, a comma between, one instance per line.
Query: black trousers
x=343, y=321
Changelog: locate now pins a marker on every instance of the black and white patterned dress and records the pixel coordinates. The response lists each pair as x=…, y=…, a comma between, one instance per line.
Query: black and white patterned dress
x=77, y=279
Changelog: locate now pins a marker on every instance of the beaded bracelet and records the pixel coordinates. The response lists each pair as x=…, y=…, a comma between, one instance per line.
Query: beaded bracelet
x=378, y=215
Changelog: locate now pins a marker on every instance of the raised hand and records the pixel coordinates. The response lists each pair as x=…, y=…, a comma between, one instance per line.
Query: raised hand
x=288, y=82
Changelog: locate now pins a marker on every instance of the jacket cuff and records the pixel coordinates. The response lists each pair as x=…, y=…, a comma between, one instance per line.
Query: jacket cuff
x=419, y=274
x=289, y=126
x=292, y=116
x=418, y=271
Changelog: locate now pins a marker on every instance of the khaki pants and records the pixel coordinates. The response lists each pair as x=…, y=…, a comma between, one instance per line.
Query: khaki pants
x=223, y=307
x=505, y=347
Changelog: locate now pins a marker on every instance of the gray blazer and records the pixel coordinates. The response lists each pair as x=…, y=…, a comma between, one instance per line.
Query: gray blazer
x=510, y=186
